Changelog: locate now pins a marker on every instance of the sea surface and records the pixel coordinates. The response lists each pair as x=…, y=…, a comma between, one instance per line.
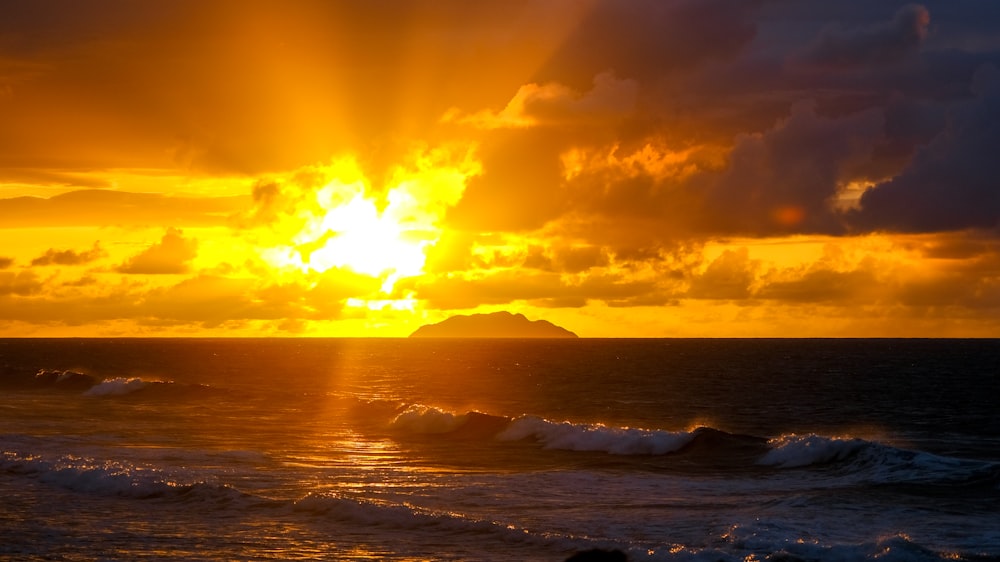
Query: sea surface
x=396, y=449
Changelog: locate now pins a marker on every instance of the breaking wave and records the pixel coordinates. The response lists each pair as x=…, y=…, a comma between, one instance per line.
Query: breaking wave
x=427, y=419
x=111, y=478
x=63, y=379
x=876, y=462
x=795, y=451
x=91, y=386
x=596, y=437
x=119, y=386
x=87, y=475
x=862, y=460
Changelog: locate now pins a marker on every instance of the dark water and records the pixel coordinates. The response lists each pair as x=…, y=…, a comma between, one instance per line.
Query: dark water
x=499, y=449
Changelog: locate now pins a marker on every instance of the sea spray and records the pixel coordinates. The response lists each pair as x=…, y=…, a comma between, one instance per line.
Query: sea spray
x=595, y=437
x=118, y=386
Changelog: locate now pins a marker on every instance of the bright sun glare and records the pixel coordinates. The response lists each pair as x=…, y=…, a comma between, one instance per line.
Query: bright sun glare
x=341, y=224
x=357, y=236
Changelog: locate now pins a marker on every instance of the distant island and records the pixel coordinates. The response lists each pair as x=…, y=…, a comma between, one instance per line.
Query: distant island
x=495, y=325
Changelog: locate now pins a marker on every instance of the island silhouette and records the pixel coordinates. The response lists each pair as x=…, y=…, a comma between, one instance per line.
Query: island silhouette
x=494, y=325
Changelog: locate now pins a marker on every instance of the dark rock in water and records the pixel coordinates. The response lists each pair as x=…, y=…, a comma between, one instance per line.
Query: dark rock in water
x=598, y=555
x=496, y=325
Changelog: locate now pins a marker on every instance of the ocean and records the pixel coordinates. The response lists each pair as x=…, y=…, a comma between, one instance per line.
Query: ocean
x=402, y=449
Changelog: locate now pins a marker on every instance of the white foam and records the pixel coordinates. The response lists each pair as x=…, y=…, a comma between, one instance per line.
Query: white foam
x=427, y=419
x=111, y=478
x=595, y=437
x=67, y=375
x=869, y=461
x=793, y=451
x=117, y=386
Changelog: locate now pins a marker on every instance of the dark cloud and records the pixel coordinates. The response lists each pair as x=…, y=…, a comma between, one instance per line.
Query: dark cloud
x=646, y=39
x=775, y=182
x=871, y=44
x=171, y=255
x=778, y=142
x=783, y=180
x=856, y=90
x=952, y=182
x=6, y=262
x=69, y=257
x=909, y=124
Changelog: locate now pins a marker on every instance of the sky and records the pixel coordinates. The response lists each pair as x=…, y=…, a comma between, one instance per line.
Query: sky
x=622, y=168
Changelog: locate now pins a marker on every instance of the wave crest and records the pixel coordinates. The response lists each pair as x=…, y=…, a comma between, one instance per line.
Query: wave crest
x=118, y=386
x=596, y=437
x=110, y=478
x=427, y=419
x=854, y=458
x=878, y=463
x=794, y=451
x=92, y=386
x=63, y=379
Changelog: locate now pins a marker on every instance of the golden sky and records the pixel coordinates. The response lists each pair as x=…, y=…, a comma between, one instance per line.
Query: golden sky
x=640, y=168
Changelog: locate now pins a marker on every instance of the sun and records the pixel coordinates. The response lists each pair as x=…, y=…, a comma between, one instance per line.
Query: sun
x=346, y=229
x=345, y=224
x=356, y=236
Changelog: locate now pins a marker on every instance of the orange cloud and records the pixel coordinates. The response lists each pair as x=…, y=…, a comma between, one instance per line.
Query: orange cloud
x=22, y=283
x=324, y=167
x=554, y=104
x=69, y=257
x=171, y=255
x=98, y=207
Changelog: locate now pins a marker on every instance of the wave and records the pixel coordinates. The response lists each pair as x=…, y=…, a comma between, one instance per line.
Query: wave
x=596, y=437
x=795, y=451
x=119, y=386
x=786, y=547
x=878, y=463
x=87, y=475
x=865, y=461
x=403, y=516
x=570, y=436
x=91, y=386
x=119, y=479
x=68, y=380
x=111, y=478
x=429, y=420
